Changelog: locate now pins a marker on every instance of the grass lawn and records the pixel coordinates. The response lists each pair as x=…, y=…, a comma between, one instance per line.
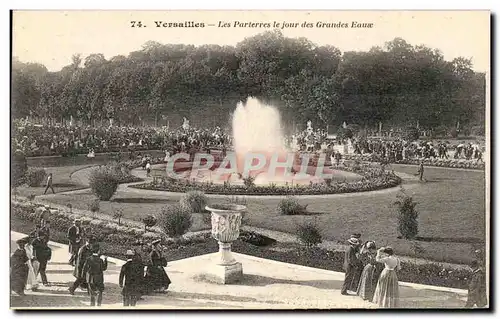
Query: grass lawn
x=62, y=181
x=451, y=205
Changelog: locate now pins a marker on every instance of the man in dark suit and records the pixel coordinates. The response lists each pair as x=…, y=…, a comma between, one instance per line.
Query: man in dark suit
x=350, y=264
x=81, y=258
x=75, y=235
x=42, y=253
x=477, y=287
x=133, y=273
x=94, y=274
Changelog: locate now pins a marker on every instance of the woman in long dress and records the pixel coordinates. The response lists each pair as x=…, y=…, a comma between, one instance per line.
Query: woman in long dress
x=33, y=264
x=366, y=286
x=387, y=292
x=19, y=268
x=156, y=278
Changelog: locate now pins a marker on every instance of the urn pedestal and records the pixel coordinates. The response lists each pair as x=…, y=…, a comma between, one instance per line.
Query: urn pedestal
x=226, y=222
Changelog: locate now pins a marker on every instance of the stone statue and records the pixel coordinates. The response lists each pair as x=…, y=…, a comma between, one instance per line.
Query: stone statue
x=185, y=125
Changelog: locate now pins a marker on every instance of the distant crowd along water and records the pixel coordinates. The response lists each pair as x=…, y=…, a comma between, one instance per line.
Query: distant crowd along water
x=44, y=140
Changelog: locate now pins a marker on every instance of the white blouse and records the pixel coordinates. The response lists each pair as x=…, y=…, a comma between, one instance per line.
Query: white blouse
x=390, y=262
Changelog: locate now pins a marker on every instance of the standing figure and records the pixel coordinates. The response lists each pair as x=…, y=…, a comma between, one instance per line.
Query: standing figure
x=43, y=254
x=93, y=270
x=358, y=266
x=19, y=268
x=33, y=265
x=131, y=278
x=421, y=171
x=366, y=286
x=477, y=287
x=49, y=184
x=350, y=263
x=81, y=258
x=75, y=235
x=387, y=291
x=156, y=277
x=148, y=169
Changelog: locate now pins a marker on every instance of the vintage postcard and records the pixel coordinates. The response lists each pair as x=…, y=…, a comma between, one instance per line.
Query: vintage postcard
x=250, y=160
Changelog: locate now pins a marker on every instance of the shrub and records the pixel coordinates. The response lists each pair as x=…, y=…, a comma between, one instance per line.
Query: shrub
x=118, y=214
x=149, y=221
x=309, y=234
x=175, y=220
x=35, y=176
x=103, y=182
x=454, y=132
x=407, y=218
x=94, y=206
x=18, y=168
x=194, y=201
x=291, y=206
x=249, y=181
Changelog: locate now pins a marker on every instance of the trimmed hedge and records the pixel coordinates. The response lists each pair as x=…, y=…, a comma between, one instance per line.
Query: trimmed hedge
x=438, y=162
x=373, y=179
x=35, y=176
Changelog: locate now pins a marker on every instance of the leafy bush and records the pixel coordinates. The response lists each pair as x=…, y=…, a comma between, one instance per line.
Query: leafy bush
x=309, y=234
x=194, y=201
x=94, y=206
x=175, y=220
x=291, y=206
x=35, y=176
x=103, y=182
x=249, y=181
x=118, y=214
x=149, y=221
x=408, y=216
x=18, y=168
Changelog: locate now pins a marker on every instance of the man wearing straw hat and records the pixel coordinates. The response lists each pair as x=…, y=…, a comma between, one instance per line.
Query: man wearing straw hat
x=131, y=279
x=350, y=264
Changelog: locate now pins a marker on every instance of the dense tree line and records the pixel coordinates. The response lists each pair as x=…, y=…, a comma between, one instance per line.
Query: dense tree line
x=397, y=85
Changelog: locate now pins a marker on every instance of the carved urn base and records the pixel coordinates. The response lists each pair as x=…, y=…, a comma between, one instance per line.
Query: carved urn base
x=225, y=274
x=226, y=222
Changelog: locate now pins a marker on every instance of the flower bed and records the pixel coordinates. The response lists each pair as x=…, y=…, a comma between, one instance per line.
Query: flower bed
x=118, y=238
x=438, y=162
x=373, y=179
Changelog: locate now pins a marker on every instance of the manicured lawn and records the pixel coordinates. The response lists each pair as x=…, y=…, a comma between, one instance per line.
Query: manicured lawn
x=62, y=181
x=451, y=205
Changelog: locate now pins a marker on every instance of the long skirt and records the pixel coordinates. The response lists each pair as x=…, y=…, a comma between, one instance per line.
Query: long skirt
x=32, y=282
x=156, y=278
x=18, y=278
x=387, y=292
x=366, y=287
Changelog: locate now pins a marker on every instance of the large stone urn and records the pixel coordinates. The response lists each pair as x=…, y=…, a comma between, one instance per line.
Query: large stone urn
x=226, y=222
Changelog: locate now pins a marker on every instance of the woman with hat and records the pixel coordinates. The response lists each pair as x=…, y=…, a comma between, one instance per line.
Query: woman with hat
x=366, y=285
x=19, y=268
x=156, y=278
x=387, y=291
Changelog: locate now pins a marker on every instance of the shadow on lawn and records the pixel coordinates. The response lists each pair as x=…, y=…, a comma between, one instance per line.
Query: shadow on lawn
x=461, y=240
x=140, y=200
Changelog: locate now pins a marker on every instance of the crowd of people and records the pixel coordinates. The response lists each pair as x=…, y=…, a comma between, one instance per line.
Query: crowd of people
x=44, y=140
x=142, y=274
x=35, y=140
x=399, y=149
x=371, y=274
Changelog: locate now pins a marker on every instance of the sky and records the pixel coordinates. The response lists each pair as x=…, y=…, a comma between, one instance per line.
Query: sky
x=52, y=37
